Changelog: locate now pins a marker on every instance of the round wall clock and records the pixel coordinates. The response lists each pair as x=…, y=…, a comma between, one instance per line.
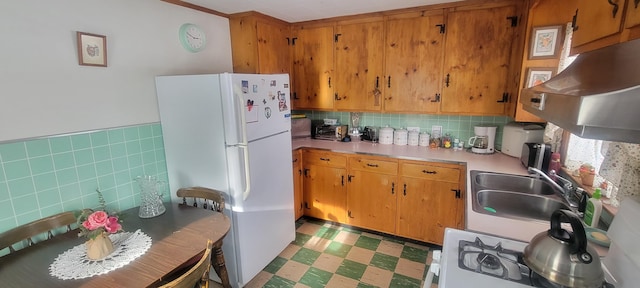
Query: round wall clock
x=192, y=37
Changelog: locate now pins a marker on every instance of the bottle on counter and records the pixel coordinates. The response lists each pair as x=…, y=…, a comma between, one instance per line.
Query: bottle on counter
x=593, y=210
x=554, y=165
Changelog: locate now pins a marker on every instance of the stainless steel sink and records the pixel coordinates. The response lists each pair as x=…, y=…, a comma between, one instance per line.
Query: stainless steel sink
x=516, y=183
x=516, y=205
x=514, y=196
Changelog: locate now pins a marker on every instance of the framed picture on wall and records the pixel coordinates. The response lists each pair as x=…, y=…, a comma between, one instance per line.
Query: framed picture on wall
x=545, y=42
x=537, y=76
x=92, y=49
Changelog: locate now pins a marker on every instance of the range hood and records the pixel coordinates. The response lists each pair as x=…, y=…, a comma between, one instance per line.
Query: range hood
x=596, y=97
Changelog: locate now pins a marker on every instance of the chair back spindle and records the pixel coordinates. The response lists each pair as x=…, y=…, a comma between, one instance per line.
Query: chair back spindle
x=28, y=231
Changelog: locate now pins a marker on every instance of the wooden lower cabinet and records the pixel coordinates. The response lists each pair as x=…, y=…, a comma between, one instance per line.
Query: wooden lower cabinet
x=298, y=198
x=371, y=190
x=411, y=199
x=430, y=199
x=324, y=185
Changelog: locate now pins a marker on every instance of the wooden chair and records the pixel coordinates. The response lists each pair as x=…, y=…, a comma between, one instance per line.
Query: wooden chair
x=214, y=200
x=197, y=274
x=208, y=198
x=29, y=230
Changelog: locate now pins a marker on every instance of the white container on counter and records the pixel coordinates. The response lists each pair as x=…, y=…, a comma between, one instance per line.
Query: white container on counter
x=400, y=137
x=386, y=135
x=424, y=139
x=414, y=138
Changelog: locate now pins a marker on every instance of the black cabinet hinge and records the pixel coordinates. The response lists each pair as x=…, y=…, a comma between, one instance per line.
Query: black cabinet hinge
x=514, y=20
x=442, y=28
x=335, y=37
x=293, y=41
x=505, y=98
x=458, y=195
x=574, y=21
x=437, y=99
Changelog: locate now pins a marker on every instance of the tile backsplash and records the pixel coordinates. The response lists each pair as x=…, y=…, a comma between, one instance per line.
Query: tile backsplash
x=49, y=175
x=457, y=126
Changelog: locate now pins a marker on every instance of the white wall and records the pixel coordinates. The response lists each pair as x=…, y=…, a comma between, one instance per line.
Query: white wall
x=43, y=90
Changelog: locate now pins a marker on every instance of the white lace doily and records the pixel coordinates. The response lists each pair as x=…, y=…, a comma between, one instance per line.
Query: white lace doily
x=74, y=264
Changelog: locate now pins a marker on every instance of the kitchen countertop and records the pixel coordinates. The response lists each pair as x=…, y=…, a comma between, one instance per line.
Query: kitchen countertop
x=522, y=230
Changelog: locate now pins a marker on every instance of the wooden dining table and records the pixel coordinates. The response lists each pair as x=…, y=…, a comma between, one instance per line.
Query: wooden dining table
x=177, y=238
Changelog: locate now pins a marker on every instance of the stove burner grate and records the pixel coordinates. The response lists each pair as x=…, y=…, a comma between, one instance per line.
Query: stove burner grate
x=493, y=261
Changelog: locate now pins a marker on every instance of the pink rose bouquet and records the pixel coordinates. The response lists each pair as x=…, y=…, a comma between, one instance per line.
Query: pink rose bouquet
x=95, y=222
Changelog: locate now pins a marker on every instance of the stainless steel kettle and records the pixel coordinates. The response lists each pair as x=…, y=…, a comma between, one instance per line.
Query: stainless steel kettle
x=564, y=257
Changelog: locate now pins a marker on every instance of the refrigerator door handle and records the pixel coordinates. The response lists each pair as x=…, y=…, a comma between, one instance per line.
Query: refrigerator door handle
x=247, y=177
x=244, y=144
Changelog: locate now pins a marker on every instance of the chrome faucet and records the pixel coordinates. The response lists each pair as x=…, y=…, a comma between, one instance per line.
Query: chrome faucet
x=566, y=188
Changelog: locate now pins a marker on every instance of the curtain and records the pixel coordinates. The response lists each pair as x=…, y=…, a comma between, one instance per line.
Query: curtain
x=621, y=166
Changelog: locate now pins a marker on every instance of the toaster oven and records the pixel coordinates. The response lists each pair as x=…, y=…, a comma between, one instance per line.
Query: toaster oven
x=330, y=132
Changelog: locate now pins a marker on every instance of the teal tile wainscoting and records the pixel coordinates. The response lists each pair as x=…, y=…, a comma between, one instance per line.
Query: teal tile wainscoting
x=457, y=126
x=45, y=176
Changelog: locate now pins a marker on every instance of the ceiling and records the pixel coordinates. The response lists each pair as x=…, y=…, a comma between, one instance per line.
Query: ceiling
x=303, y=10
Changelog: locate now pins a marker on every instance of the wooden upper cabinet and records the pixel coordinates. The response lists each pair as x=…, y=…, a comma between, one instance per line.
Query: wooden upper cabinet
x=260, y=44
x=477, y=58
x=313, y=68
x=633, y=14
x=632, y=20
x=596, y=20
x=413, y=60
x=358, y=62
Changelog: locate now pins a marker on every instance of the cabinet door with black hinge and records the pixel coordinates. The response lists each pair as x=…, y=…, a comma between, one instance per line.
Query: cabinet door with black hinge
x=476, y=65
x=358, y=61
x=413, y=63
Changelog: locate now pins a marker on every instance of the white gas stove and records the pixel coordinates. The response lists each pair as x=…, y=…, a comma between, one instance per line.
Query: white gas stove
x=471, y=259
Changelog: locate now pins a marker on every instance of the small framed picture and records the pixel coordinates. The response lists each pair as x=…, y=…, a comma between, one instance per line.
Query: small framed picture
x=545, y=42
x=537, y=76
x=92, y=49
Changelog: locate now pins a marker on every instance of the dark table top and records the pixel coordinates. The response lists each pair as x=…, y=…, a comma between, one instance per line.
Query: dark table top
x=178, y=235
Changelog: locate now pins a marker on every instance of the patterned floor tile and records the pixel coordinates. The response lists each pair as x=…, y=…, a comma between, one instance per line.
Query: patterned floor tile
x=384, y=261
x=306, y=256
x=368, y=243
x=289, y=251
x=327, y=233
x=361, y=255
x=292, y=270
x=316, y=278
x=351, y=269
x=275, y=265
x=377, y=277
x=301, y=239
x=327, y=254
x=411, y=269
x=309, y=228
x=414, y=254
x=401, y=281
x=342, y=282
x=338, y=249
x=346, y=237
x=328, y=262
x=279, y=282
x=317, y=243
x=390, y=248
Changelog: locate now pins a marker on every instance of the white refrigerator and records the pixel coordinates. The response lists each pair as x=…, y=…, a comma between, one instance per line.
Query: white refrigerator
x=232, y=132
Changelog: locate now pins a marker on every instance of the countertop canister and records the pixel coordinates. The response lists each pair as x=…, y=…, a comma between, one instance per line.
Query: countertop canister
x=400, y=137
x=424, y=139
x=386, y=135
x=414, y=138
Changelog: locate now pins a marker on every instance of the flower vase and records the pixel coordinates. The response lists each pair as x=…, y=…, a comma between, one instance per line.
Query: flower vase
x=99, y=247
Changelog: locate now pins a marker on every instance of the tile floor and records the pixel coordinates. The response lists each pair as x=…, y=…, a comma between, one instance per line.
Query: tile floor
x=328, y=255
